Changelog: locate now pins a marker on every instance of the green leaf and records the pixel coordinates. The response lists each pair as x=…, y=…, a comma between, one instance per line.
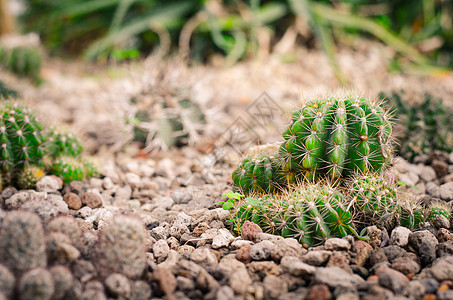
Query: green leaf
x=227, y=205
x=233, y=195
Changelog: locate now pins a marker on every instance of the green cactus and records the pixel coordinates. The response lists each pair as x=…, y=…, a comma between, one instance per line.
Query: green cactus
x=310, y=213
x=260, y=171
x=23, y=61
x=29, y=176
x=338, y=136
x=6, y=92
x=22, y=142
x=438, y=209
x=63, y=143
x=423, y=126
x=68, y=168
x=412, y=213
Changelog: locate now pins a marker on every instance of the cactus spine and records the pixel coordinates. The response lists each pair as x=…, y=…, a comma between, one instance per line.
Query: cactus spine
x=338, y=136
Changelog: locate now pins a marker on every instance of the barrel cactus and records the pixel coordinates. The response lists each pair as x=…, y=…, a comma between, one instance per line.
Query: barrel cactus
x=338, y=136
x=310, y=213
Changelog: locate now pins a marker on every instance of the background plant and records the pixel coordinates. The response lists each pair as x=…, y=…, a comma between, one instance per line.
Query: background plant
x=420, y=31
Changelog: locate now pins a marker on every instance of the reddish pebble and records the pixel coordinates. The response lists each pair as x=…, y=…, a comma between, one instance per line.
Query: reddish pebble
x=319, y=292
x=243, y=254
x=373, y=278
x=91, y=200
x=72, y=200
x=250, y=231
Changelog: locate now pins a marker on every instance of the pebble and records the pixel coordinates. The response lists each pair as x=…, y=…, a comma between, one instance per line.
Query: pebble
x=363, y=251
x=222, y=239
x=73, y=201
x=425, y=243
x=400, y=236
x=294, y=266
x=133, y=180
x=163, y=202
x=442, y=269
x=203, y=256
x=319, y=292
x=48, y=184
x=336, y=244
x=445, y=249
x=261, y=250
x=316, y=258
x=446, y=191
x=118, y=285
x=20, y=198
x=250, y=231
x=91, y=200
x=161, y=250
x=392, y=279
x=274, y=286
x=286, y=247
x=405, y=265
x=336, y=277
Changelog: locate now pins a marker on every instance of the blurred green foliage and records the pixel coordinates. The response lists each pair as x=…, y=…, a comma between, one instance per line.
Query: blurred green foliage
x=419, y=30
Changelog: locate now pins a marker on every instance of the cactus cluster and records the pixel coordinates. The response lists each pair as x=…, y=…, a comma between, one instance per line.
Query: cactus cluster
x=165, y=120
x=328, y=137
x=22, y=60
x=423, y=126
x=27, y=151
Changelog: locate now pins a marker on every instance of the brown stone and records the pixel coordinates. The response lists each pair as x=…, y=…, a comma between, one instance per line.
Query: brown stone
x=319, y=292
x=72, y=200
x=243, y=254
x=91, y=200
x=363, y=251
x=250, y=231
x=341, y=260
x=444, y=235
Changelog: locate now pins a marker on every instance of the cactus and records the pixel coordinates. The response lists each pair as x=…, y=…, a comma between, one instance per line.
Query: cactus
x=22, y=245
x=6, y=92
x=63, y=281
x=338, y=136
x=22, y=60
x=29, y=176
x=121, y=247
x=260, y=171
x=423, y=127
x=63, y=143
x=69, y=226
x=437, y=209
x=7, y=282
x=60, y=249
x=36, y=284
x=68, y=168
x=22, y=142
x=310, y=213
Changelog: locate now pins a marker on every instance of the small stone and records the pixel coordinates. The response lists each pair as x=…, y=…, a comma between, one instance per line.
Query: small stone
x=200, y=229
x=445, y=249
x=316, y=258
x=296, y=267
x=261, y=250
x=140, y=290
x=166, y=280
x=363, y=251
x=378, y=256
x=341, y=260
x=163, y=202
x=243, y=254
x=20, y=198
x=118, y=285
x=405, y=265
x=268, y=237
x=425, y=243
x=446, y=191
x=239, y=280
x=433, y=189
x=7, y=281
x=440, y=167
x=238, y=244
x=203, y=256
x=274, y=286
x=319, y=292
x=287, y=247
x=133, y=180
x=73, y=201
x=84, y=212
x=392, y=279
x=400, y=236
x=442, y=268
x=222, y=239
x=415, y=290
x=441, y=221
x=428, y=174
x=392, y=252
x=123, y=193
x=250, y=231
x=185, y=284
x=91, y=200
x=336, y=244
x=48, y=184
x=161, y=250
x=375, y=235
x=336, y=277
x=444, y=235
x=409, y=179
x=445, y=295
x=205, y=281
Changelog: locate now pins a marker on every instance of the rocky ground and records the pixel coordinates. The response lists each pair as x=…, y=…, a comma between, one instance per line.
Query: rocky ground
x=152, y=227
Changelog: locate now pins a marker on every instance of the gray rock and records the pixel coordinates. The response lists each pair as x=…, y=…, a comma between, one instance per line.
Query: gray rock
x=123, y=193
x=336, y=244
x=294, y=266
x=405, y=265
x=203, y=255
x=239, y=281
x=161, y=249
x=445, y=295
x=444, y=249
x=392, y=279
x=274, y=287
x=442, y=269
x=118, y=285
x=446, y=191
x=48, y=184
x=441, y=221
x=264, y=236
x=161, y=232
x=410, y=179
x=433, y=189
x=337, y=277
x=393, y=251
x=400, y=236
x=375, y=235
x=428, y=174
x=237, y=244
x=45, y=209
x=18, y=199
x=140, y=290
x=165, y=168
x=378, y=256
x=133, y=180
x=317, y=257
x=415, y=290
x=261, y=250
x=181, y=197
x=185, y=284
x=287, y=247
x=163, y=202
x=430, y=284
x=222, y=239
x=425, y=243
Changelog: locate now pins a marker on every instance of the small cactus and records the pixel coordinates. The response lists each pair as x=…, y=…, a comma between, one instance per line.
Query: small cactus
x=438, y=209
x=310, y=213
x=260, y=171
x=63, y=143
x=68, y=168
x=22, y=60
x=338, y=136
x=63, y=281
x=7, y=282
x=29, y=176
x=36, y=284
x=22, y=245
x=69, y=226
x=121, y=247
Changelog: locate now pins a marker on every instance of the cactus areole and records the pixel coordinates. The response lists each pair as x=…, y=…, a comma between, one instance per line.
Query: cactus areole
x=338, y=136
